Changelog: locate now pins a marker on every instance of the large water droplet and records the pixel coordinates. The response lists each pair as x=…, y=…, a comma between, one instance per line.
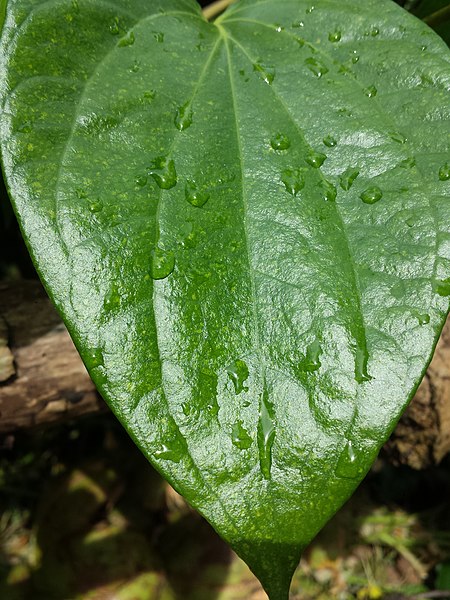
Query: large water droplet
x=371, y=91
x=423, y=318
x=334, y=36
x=361, y=360
x=444, y=172
x=280, y=141
x=266, y=433
x=311, y=362
x=371, y=195
x=240, y=437
x=238, y=373
x=163, y=263
x=441, y=287
x=329, y=141
x=194, y=195
x=169, y=452
x=348, y=177
x=293, y=180
x=328, y=189
x=347, y=463
x=316, y=67
x=183, y=117
x=127, y=40
x=163, y=172
x=316, y=159
x=266, y=73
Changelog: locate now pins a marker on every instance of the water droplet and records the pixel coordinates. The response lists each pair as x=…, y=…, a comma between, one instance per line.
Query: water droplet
x=408, y=163
x=334, y=36
x=316, y=67
x=194, y=195
x=136, y=66
x=346, y=466
x=316, y=159
x=96, y=207
x=329, y=141
x=300, y=41
x=173, y=454
x=141, y=181
x=280, y=141
x=398, y=137
x=127, y=40
x=347, y=178
x=240, y=437
x=311, y=362
x=361, y=360
x=163, y=172
x=297, y=24
x=423, y=319
x=371, y=195
x=238, y=373
x=81, y=194
x=95, y=358
x=278, y=28
x=112, y=299
x=149, y=95
x=355, y=58
x=374, y=31
x=444, y=172
x=114, y=27
x=266, y=433
x=328, y=189
x=371, y=91
x=163, y=263
x=159, y=36
x=266, y=73
x=310, y=10
x=293, y=180
x=441, y=287
x=183, y=118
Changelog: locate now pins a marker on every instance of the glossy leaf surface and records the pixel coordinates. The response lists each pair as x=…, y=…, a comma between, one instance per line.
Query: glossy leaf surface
x=246, y=226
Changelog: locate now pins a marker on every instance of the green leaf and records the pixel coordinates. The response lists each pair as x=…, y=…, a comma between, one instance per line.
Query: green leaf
x=245, y=227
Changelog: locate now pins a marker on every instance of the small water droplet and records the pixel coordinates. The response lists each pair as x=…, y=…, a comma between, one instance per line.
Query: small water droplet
x=423, y=319
x=371, y=195
x=141, y=181
x=194, y=195
x=297, y=24
x=361, y=360
x=316, y=66
x=310, y=10
x=127, y=40
x=347, y=465
x=96, y=207
x=328, y=189
x=444, y=172
x=163, y=172
x=316, y=159
x=95, y=358
x=334, y=36
x=278, y=28
x=169, y=453
x=398, y=137
x=348, y=177
x=374, y=31
x=293, y=180
x=441, y=287
x=183, y=117
x=163, y=263
x=355, y=58
x=112, y=299
x=266, y=73
x=136, y=66
x=159, y=36
x=266, y=433
x=371, y=91
x=238, y=373
x=114, y=27
x=311, y=362
x=240, y=437
x=329, y=141
x=300, y=41
x=280, y=141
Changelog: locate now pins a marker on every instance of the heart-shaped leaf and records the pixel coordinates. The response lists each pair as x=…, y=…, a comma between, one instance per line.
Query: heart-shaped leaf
x=246, y=226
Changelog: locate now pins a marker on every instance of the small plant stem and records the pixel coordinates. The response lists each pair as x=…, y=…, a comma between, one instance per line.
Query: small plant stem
x=216, y=8
x=438, y=17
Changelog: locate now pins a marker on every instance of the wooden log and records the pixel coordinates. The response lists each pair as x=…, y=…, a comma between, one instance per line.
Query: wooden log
x=43, y=381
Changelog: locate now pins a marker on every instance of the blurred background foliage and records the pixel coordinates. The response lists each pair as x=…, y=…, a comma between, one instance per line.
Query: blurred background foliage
x=83, y=516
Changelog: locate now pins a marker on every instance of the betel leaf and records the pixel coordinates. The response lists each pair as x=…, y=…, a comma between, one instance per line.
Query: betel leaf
x=246, y=227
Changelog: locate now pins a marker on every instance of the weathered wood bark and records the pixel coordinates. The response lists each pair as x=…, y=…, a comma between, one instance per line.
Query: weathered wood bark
x=42, y=380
